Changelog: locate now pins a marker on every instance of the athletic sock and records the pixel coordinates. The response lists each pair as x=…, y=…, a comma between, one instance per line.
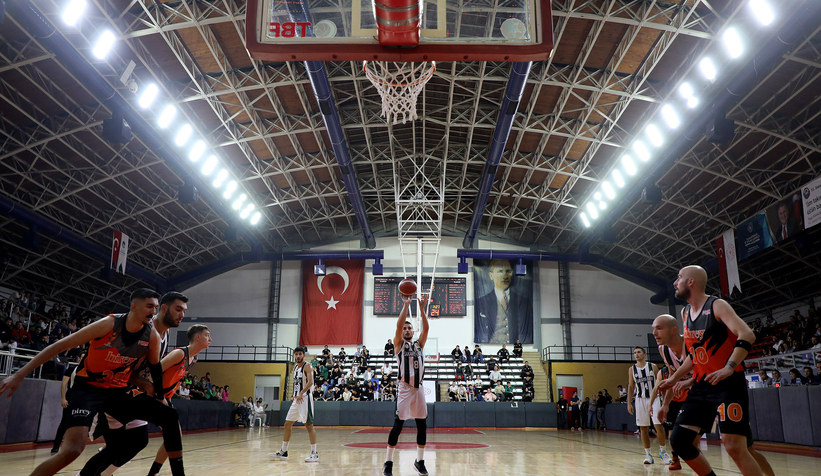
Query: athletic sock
x=662, y=448
x=313, y=448
x=110, y=470
x=389, y=456
x=176, y=466
x=647, y=451
x=155, y=468
x=285, y=446
x=420, y=453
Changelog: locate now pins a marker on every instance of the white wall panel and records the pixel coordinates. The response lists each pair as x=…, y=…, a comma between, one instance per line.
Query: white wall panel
x=242, y=292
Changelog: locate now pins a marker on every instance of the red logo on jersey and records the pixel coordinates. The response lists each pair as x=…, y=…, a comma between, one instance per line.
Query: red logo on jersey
x=288, y=29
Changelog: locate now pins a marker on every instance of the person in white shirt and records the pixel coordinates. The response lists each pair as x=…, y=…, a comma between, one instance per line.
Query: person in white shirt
x=259, y=412
x=495, y=374
x=184, y=391
x=346, y=395
x=386, y=368
x=367, y=375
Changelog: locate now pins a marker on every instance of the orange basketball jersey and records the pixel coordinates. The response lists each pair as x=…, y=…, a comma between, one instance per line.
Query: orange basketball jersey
x=110, y=361
x=709, y=342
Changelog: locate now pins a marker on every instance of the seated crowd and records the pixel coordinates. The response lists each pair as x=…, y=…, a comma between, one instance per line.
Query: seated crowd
x=193, y=388
x=806, y=376
x=360, y=383
x=798, y=334
x=468, y=385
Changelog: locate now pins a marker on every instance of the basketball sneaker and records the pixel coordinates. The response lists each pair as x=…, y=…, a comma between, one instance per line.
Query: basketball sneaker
x=420, y=467
x=665, y=457
x=648, y=459
x=313, y=458
x=676, y=465
x=387, y=468
x=279, y=454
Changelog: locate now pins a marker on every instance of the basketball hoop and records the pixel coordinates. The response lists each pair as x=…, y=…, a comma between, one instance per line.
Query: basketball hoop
x=399, y=86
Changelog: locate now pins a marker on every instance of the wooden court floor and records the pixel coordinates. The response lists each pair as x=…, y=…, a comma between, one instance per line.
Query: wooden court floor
x=346, y=451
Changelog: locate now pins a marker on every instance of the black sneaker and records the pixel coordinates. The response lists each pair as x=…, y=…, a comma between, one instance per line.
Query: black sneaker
x=55, y=450
x=387, y=468
x=279, y=454
x=420, y=467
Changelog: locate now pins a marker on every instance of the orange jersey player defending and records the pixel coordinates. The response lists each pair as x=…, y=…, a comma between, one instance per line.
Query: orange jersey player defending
x=717, y=341
x=118, y=344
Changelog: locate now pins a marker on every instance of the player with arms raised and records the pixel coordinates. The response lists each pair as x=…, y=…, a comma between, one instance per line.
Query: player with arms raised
x=410, y=399
x=717, y=341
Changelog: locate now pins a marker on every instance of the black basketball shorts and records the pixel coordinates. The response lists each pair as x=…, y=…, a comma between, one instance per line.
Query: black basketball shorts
x=728, y=399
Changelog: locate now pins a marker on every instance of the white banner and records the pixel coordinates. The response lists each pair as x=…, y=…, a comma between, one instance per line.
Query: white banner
x=119, y=251
x=732, y=261
x=811, y=198
x=430, y=390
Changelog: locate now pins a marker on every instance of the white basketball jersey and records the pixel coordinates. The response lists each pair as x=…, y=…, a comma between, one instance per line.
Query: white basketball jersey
x=411, y=363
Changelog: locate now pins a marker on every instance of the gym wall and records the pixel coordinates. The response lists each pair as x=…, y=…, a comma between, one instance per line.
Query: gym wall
x=240, y=376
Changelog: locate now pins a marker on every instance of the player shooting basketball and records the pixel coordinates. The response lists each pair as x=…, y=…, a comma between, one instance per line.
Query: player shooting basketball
x=410, y=400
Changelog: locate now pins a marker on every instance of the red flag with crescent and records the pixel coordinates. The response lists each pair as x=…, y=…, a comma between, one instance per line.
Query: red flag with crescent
x=332, y=304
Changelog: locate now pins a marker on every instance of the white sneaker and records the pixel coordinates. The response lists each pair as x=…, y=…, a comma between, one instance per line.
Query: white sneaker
x=665, y=457
x=648, y=459
x=313, y=458
x=279, y=454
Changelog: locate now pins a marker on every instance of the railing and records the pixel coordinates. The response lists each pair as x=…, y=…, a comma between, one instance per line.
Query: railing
x=10, y=363
x=784, y=362
x=588, y=352
x=256, y=353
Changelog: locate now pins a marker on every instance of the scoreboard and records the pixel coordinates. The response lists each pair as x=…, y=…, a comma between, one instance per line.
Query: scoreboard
x=448, y=297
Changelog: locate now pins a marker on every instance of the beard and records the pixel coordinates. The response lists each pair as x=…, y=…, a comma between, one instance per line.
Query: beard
x=169, y=321
x=683, y=294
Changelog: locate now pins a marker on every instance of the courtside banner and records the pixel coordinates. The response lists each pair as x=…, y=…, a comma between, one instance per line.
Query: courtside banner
x=811, y=197
x=753, y=236
x=332, y=304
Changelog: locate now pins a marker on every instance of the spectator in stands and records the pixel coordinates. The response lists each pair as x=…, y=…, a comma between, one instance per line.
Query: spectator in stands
x=225, y=397
x=495, y=374
x=477, y=382
x=601, y=403
x=517, y=348
x=347, y=394
x=21, y=335
x=366, y=354
x=326, y=355
x=368, y=374
x=462, y=392
x=814, y=343
x=622, y=394
x=499, y=390
x=210, y=393
x=778, y=380
x=468, y=371
x=504, y=355
x=508, y=392
x=770, y=321
x=490, y=365
x=184, y=392
x=818, y=369
x=584, y=411
x=460, y=372
x=259, y=412
x=343, y=356
x=389, y=348
x=561, y=409
x=795, y=377
x=6, y=326
x=527, y=371
x=456, y=353
x=471, y=391
x=41, y=343
x=809, y=378
x=466, y=355
x=765, y=379
x=575, y=412
x=528, y=394
x=478, y=356
x=489, y=396
x=387, y=371
x=591, y=413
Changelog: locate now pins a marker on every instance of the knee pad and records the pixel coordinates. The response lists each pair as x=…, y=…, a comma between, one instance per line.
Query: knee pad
x=393, y=437
x=421, y=431
x=681, y=439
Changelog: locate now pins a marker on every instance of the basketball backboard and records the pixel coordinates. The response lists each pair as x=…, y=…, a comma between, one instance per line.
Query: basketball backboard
x=449, y=30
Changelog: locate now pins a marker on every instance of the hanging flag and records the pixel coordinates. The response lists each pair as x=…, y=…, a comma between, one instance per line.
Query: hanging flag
x=332, y=304
x=119, y=251
x=728, y=263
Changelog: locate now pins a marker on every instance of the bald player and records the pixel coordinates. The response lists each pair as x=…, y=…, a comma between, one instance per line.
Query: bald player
x=673, y=352
x=717, y=341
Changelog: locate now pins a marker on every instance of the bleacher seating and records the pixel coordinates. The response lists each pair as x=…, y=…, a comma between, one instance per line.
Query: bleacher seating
x=445, y=371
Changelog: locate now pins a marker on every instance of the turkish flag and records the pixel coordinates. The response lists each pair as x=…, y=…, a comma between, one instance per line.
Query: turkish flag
x=332, y=304
x=727, y=263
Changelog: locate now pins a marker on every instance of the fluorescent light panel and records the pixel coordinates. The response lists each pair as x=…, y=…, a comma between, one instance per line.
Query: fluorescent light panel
x=592, y=209
x=148, y=96
x=629, y=165
x=708, y=69
x=608, y=190
x=692, y=102
x=582, y=215
x=183, y=135
x=229, y=189
x=732, y=41
x=685, y=90
x=196, y=151
x=618, y=178
x=247, y=211
x=762, y=11
x=221, y=176
x=73, y=11
x=104, y=44
x=670, y=116
x=641, y=150
x=258, y=215
x=210, y=165
x=166, y=117
x=238, y=202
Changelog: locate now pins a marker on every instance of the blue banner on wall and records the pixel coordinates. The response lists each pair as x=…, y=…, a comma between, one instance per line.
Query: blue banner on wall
x=753, y=236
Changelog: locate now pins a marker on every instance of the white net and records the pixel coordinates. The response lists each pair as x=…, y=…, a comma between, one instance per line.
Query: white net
x=399, y=85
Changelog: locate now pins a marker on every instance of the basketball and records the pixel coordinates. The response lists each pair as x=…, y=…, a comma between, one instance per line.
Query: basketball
x=407, y=287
